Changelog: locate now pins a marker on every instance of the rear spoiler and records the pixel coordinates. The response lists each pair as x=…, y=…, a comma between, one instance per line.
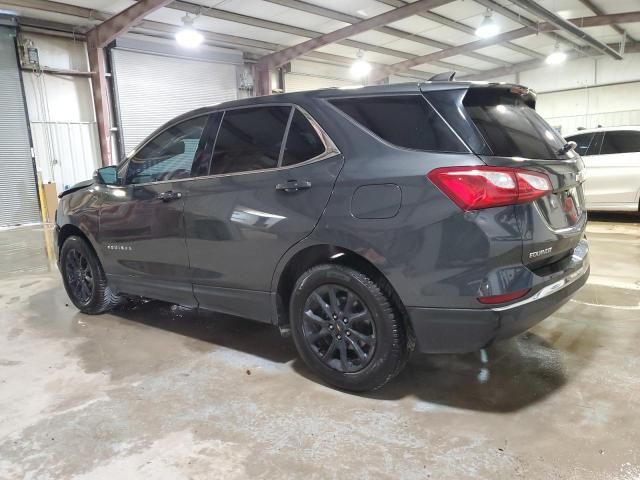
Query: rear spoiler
x=443, y=77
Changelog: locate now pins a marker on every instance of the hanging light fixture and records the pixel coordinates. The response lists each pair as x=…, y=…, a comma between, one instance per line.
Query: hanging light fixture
x=188, y=36
x=556, y=57
x=360, y=68
x=488, y=27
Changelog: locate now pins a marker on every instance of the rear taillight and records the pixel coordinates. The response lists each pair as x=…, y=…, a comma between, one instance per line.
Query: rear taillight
x=474, y=188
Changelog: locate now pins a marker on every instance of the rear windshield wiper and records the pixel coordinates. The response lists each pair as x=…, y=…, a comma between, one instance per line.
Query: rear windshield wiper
x=566, y=147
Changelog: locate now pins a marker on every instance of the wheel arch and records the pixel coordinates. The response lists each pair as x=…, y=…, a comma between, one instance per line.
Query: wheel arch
x=316, y=254
x=69, y=230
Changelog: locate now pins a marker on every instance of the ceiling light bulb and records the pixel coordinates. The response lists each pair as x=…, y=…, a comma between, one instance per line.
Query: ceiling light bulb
x=188, y=36
x=360, y=68
x=488, y=27
x=556, y=57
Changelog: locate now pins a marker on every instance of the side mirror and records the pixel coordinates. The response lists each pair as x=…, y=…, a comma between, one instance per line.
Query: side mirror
x=106, y=175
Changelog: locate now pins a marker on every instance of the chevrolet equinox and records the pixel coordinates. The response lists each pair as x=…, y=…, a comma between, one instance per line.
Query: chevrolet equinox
x=365, y=222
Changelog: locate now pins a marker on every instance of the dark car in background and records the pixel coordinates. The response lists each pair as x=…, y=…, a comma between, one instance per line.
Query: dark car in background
x=366, y=222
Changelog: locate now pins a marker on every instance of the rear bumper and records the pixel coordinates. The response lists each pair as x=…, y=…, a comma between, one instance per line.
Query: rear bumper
x=440, y=330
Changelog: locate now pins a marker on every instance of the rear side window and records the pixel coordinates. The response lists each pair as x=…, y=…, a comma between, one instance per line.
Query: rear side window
x=584, y=142
x=406, y=121
x=250, y=139
x=510, y=126
x=620, y=142
x=303, y=142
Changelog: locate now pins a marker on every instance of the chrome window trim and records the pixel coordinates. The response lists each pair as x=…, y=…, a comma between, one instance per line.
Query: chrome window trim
x=357, y=124
x=331, y=149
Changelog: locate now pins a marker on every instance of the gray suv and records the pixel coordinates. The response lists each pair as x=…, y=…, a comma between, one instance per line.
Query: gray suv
x=365, y=222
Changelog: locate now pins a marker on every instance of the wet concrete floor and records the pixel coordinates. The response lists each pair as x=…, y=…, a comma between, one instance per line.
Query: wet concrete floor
x=158, y=391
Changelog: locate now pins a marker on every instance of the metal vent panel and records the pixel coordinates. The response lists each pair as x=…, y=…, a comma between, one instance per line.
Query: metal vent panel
x=152, y=89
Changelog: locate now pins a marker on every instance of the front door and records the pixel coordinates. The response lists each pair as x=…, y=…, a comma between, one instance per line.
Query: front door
x=260, y=199
x=613, y=175
x=141, y=232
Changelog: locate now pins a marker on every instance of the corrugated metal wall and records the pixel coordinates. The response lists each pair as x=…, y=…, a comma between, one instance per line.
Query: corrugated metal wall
x=18, y=194
x=153, y=89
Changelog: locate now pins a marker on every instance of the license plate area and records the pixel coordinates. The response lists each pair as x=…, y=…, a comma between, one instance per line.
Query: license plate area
x=563, y=209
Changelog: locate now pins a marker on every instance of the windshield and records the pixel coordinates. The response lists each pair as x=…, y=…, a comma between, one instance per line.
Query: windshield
x=510, y=126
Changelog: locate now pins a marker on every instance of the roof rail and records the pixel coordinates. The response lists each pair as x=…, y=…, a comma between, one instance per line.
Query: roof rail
x=444, y=76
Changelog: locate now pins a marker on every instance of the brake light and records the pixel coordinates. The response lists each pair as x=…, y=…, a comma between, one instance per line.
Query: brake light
x=507, y=297
x=474, y=188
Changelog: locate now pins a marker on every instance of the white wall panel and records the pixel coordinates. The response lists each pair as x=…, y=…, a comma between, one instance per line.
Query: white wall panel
x=573, y=74
x=61, y=112
x=300, y=82
x=73, y=148
x=608, y=105
x=307, y=75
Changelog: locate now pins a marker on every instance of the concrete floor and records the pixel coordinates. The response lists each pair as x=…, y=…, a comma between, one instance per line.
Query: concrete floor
x=160, y=392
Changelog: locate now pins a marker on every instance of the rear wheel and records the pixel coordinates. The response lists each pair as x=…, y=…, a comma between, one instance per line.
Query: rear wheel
x=84, y=279
x=346, y=329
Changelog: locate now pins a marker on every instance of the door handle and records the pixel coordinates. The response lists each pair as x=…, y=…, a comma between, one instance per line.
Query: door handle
x=170, y=195
x=293, y=186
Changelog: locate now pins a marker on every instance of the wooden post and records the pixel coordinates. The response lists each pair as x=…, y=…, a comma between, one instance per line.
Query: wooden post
x=99, y=89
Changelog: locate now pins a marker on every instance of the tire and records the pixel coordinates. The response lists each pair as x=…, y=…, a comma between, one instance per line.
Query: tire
x=84, y=279
x=374, y=337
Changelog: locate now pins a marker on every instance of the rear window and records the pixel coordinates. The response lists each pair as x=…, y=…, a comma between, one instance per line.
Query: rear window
x=406, y=121
x=510, y=126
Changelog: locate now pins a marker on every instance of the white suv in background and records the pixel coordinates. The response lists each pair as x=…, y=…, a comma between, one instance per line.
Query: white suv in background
x=612, y=159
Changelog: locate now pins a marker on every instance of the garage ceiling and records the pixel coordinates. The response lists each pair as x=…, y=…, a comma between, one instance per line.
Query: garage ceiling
x=261, y=26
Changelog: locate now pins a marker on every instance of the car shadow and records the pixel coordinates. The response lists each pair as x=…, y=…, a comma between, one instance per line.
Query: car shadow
x=616, y=217
x=503, y=378
x=236, y=333
x=506, y=377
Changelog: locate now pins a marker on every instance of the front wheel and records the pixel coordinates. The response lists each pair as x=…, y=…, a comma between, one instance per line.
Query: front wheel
x=346, y=329
x=84, y=279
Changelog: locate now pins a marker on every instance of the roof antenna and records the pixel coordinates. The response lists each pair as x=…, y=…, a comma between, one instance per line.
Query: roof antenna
x=443, y=77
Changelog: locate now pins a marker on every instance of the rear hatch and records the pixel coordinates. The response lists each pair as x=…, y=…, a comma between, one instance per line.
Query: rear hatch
x=500, y=125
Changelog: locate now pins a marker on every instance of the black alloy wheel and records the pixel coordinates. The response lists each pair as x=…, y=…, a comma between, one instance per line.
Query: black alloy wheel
x=79, y=276
x=337, y=325
x=347, y=328
x=84, y=278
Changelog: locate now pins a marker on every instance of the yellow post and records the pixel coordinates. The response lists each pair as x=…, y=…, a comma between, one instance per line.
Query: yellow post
x=43, y=201
x=48, y=243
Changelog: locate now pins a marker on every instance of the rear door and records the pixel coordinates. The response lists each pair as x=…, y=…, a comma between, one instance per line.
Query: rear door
x=141, y=232
x=613, y=171
x=271, y=176
x=501, y=126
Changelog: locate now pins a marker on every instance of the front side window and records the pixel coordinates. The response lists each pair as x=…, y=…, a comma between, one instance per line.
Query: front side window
x=169, y=156
x=584, y=142
x=250, y=139
x=620, y=142
x=303, y=142
x=405, y=120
